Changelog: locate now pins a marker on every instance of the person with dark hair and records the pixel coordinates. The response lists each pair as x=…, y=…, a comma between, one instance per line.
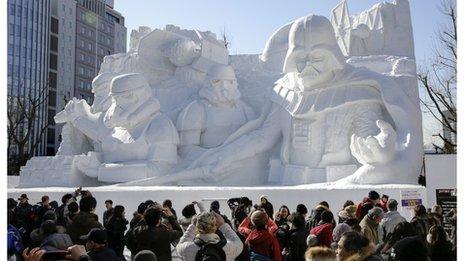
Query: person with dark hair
x=72, y=210
x=23, y=216
x=302, y=209
x=390, y=220
x=261, y=244
x=370, y=223
x=323, y=231
x=60, y=211
x=384, y=202
x=297, y=238
x=281, y=216
x=85, y=220
x=116, y=227
x=214, y=206
x=354, y=246
x=37, y=235
x=108, y=212
x=44, y=207
x=409, y=249
x=53, y=240
x=401, y=230
x=188, y=212
x=372, y=200
x=168, y=204
x=441, y=249
x=421, y=221
x=154, y=236
x=315, y=217
x=266, y=205
x=96, y=243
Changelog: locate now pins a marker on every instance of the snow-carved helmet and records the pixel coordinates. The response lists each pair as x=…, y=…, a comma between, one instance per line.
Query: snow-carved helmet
x=309, y=33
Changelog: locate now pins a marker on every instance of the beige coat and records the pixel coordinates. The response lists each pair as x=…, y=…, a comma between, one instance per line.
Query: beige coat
x=369, y=229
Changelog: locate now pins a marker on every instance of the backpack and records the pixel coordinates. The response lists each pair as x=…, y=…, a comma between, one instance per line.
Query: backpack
x=255, y=256
x=210, y=251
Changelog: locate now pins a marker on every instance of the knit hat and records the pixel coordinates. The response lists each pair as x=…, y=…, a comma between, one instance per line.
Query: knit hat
x=409, y=248
x=373, y=195
x=259, y=218
x=348, y=212
x=263, y=196
x=311, y=241
x=339, y=230
x=206, y=223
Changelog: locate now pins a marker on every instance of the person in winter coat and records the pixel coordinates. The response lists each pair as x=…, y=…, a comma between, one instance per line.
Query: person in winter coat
x=281, y=216
x=401, y=230
x=108, y=212
x=168, y=204
x=116, y=226
x=369, y=225
x=266, y=205
x=348, y=216
x=260, y=242
x=421, y=221
x=390, y=220
x=203, y=229
x=297, y=238
x=246, y=226
x=409, y=249
x=372, y=200
x=14, y=242
x=24, y=217
x=154, y=236
x=353, y=246
x=85, y=220
x=441, y=249
x=96, y=243
x=37, y=235
x=53, y=240
x=324, y=230
x=338, y=232
x=315, y=217
x=216, y=208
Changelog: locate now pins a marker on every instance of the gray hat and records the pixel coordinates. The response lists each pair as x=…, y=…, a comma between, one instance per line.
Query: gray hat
x=145, y=255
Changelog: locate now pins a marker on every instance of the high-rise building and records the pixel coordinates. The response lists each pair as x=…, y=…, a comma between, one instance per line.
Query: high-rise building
x=58, y=46
x=28, y=63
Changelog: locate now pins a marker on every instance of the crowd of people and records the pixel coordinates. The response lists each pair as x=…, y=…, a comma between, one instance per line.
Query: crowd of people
x=372, y=229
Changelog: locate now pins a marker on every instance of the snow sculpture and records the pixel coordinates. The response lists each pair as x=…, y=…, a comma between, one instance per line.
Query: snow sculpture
x=330, y=115
x=142, y=143
x=334, y=105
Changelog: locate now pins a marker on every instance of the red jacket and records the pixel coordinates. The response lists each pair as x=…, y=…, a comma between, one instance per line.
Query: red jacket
x=323, y=233
x=264, y=243
x=245, y=228
x=364, y=207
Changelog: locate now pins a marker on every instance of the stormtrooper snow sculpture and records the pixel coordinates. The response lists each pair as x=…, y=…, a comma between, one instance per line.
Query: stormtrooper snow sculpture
x=82, y=122
x=330, y=116
x=142, y=142
x=206, y=123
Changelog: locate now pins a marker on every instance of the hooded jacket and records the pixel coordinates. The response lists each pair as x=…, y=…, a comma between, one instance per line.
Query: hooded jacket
x=323, y=233
x=369, y=229
x=263, y=243
x=56, y=241
x=188, y=249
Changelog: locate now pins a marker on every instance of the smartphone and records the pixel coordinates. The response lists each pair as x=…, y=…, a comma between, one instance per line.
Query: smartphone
x=55, y=255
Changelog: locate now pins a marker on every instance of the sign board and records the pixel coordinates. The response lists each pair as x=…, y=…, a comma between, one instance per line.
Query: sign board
x=410, y=199
x=446, y=198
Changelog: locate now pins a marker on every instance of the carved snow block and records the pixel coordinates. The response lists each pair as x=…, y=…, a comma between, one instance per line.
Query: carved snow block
x=297, y=175
x=335, y=173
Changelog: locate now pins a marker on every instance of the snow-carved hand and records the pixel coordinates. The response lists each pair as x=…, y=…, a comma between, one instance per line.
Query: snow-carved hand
x=73, y=109
x=88, y=164
x=375, y=149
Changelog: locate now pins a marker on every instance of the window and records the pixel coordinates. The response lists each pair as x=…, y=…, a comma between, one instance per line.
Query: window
x=82, y=30
x=53, y=61
x=81, y=70
x=89, y=46
x=51, y=98
x=82, y=43
x=53, y=43
x=51, y=114
x=54, y=25
x=50, y=135
x=52, y=80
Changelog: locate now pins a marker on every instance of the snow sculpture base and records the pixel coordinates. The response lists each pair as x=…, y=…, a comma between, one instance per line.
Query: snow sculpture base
x=309, y=195
x=57, y=171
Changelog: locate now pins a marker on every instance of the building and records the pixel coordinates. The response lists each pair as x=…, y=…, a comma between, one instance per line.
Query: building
x=28, y=63
x=58, y=46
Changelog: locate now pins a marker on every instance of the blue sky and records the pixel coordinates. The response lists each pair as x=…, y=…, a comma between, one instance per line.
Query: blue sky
x=250, y=22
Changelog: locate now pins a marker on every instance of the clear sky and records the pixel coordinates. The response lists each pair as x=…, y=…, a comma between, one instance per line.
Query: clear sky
x=249, y=23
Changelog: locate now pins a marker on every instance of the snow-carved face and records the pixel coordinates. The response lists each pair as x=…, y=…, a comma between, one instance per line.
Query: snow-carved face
x=315, y=68
x=221, y=92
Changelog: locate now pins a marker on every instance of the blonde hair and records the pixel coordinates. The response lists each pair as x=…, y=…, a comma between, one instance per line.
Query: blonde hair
x=206, y=223
x=320, y=254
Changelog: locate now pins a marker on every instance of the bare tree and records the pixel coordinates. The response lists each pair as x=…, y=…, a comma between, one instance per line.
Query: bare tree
x=438, y=79
x=225, y=37
x=23, y=120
